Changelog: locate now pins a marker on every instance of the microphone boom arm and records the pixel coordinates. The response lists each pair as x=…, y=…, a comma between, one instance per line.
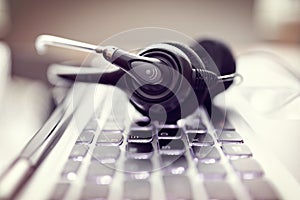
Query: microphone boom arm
x=43, y=41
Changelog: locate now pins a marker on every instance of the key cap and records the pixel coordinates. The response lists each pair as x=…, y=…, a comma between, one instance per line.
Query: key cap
x=60, y=191
x=195, y=126
x=261, y=189
x=171, y=147
x=174, y=164
x=92, y=125
x=86, y=137
x=177, y=187
x=219, y=189
x=140, y=135
x=169, y=132
x=138, y=169
x=100, y=173
x=211, y=170
x=137, y=190
x=70, y=170
x=143, y=121
x=139, y=150
x=199, y=139
x=113, y=126
x=106, y=154
x=230, y=136
x=78, y=152
x=110, y=138
x=207, y=154
x=220, y=123
x=234, y=151
x=247, y=168
x=94, y=191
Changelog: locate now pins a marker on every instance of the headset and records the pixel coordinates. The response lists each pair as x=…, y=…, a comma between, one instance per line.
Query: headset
x=167, y=77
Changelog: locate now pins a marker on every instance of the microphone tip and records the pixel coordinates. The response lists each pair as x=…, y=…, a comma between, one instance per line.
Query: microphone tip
x=41, y=44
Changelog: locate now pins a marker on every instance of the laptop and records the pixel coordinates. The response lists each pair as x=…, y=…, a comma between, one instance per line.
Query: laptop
x=95, y=145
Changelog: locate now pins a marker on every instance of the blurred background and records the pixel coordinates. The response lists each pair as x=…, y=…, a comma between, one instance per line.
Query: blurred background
x=24, y=94
x=236, y=22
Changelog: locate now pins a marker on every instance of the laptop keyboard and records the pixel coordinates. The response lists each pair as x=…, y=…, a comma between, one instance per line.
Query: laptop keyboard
x=182, y=158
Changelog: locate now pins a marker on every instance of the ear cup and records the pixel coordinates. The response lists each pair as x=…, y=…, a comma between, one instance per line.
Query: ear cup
x=197, y=63
x=191, y=54
x=221, y=55
x=177, y=92
x=224, y=61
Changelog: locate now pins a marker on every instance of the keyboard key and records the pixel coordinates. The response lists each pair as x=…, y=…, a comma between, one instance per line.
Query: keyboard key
x=139, y=150
x=219, y=189
x=143, y=121
x=94, y=191
x=220, y=123
x=234, y=151
x=86, y=137
x=92, y=125
x=174, y=164
x=247, y=168
x=171, y=147
x=138, y=169
x=106, y=154
x=70, y=170
x=169, y=132
x=195, y=126
x=100, y=173
x=140, y=135
x=200, y=139
x=177, y=187
x=207, y=154
x=137, y=190
x=60, y=191
x=133, y=165
x=230, y=136
x=78, y=152
x=212, y=170
x=110, y=138
x=113, y=126
x=260, y=189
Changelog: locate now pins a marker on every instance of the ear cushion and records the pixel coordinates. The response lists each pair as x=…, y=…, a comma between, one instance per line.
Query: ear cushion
x=224, y=61
x=196, y=63
x=221, y=55
x=191, y=54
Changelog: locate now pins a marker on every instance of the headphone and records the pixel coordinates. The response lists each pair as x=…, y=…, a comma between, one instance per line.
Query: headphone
x=169, y=77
